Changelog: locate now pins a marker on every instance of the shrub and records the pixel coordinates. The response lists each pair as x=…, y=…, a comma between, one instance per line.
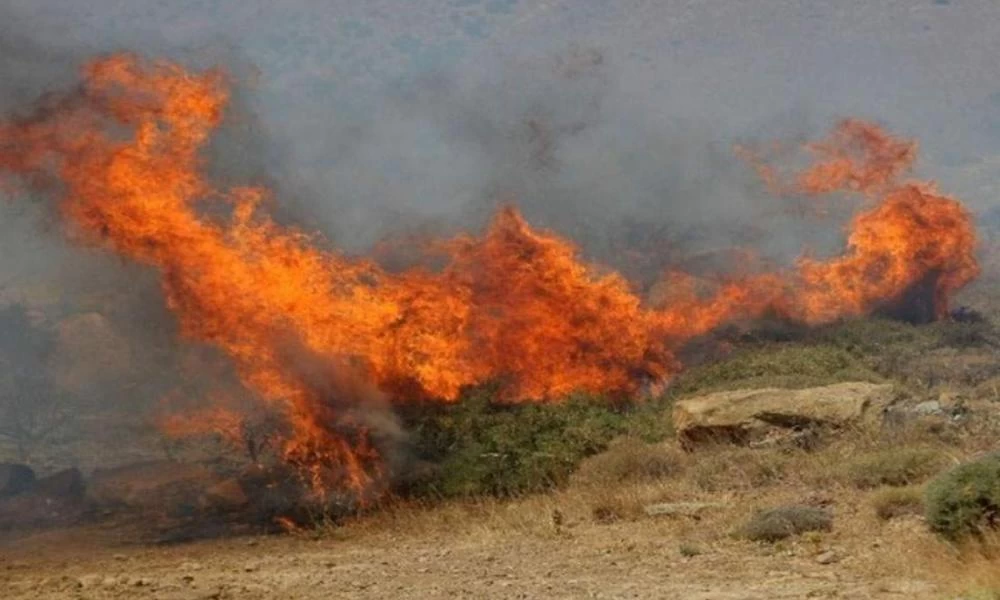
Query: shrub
x=891, y=503
x=480, y=447
x=965, y=501
x=897, y=467
x=776, y=365
x=785, y=521
x=739, y=469
x=629, y=459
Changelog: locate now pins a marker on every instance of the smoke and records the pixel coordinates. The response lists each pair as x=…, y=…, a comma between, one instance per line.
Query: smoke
x=557, y=130
x=554, y=133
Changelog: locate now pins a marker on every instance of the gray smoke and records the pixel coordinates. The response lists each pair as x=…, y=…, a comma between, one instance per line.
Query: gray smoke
x=610, y=123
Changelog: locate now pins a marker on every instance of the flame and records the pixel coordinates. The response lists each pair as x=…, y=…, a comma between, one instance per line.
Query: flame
x=514, y=305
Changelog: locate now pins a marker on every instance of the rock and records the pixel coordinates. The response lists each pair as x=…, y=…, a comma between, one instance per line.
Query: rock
x=827, y=558
x=749, y=416
x=931, y=407
x=682, y=509
x=164, y=486
x=67, y=483
x=90, y=580
x=15, y=479
x=33, y=510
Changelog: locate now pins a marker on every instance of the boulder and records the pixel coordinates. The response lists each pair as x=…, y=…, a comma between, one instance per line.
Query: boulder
x=15, y=479
x=162, y=486
x=67, y=483
x=747, y=417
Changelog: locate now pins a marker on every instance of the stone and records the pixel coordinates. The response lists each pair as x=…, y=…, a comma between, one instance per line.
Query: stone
x=90, y=580
x=747, y=417
x=33, y=510
x=164, y=486
x=827, y=558
x=15, y=479
x=67, y=483
x=682, y=509
x=931, y=407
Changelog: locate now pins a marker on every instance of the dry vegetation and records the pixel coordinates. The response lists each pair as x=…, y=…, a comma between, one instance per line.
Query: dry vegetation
x=568, y=489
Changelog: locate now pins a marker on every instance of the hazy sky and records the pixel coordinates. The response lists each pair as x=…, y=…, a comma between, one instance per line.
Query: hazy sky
x=679, y=80
x=927, y=66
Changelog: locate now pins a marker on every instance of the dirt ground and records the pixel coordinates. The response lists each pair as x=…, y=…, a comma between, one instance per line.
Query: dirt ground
x=474, y=559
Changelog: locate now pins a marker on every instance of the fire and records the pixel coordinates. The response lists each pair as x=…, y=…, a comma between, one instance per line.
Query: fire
x=313, y=333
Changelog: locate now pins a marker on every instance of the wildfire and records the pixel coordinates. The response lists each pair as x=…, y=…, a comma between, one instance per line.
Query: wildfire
x=515, y=305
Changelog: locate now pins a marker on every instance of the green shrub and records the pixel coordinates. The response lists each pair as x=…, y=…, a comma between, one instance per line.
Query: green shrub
x=785, y=521
x=777, y=365
x=480, y=447
x=890, y=503
x=965, y=501
x=897, y=467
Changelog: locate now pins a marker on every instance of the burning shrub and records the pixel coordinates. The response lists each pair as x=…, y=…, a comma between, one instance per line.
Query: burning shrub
x=965, y=501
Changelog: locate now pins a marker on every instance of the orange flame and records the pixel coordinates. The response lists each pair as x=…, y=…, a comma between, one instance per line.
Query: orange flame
x=515, y=305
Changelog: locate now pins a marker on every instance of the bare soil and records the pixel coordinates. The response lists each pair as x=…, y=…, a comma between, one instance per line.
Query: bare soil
x=473, y=558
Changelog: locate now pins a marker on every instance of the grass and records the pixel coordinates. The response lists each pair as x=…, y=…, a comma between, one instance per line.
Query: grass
x=584, y=470
x=891, y=503
x=778, y=365
x=630, y=460
x=893, y=467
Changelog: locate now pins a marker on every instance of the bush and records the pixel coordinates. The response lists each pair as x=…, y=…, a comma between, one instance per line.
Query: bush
x=629, y=459
x=739, y=469
x=480, y=447
x=965, y=501
x=785, y=521
x=777, y=365
x=899, y=467
x=891, y=503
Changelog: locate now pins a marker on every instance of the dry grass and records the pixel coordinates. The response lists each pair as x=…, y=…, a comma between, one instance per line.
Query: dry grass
x=630, y=460
x=900, y=466
x=869, y=482
x=894, y=502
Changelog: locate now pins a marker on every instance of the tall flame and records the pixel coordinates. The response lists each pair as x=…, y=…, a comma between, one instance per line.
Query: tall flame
x=514, y=305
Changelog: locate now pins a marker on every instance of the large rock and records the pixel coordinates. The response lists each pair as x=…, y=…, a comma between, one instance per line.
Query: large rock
x=163, y=486
x=749, y=416
x=33, y=510
x=67, y=483
x=15, y=479
x=53, y=501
